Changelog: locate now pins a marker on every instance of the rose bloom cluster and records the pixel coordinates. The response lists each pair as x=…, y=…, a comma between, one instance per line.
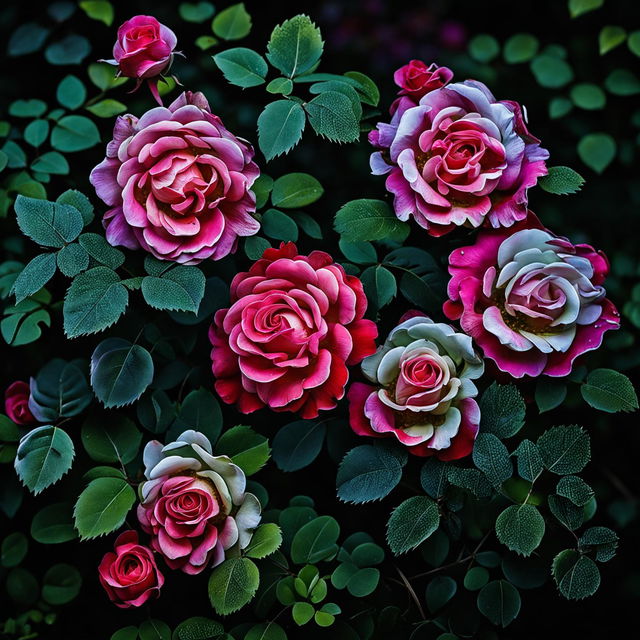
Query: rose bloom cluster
x=178, y=185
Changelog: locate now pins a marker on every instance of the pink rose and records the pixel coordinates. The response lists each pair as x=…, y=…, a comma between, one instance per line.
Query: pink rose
x=16, y=403
x=422, y=392
x=294, y=325
x=130, y=575
x=179, y=183
x=194, y=504
x=531, y=300
x=144, y=50
x=415, y=79
x=458, y=158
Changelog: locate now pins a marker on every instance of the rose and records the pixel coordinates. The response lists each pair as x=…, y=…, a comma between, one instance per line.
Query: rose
x=16, y=403
x=531, y=300
x=178, y=183
x=415, y=79
x=130, y=575
x=144, y=50
x=457, y=158
x=422, y=391
x=294, y=324
x=194, y=504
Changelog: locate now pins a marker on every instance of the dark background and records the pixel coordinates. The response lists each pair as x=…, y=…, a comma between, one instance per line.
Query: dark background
x=376, y=37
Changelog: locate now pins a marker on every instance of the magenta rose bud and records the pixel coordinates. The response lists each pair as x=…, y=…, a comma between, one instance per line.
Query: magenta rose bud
x=458, y=158
x=294, y=324
x=16, y=403
x=144, y=50
x=416, y=79
x=129, y=574
x=422, y=390
x=178, y=183
x=531, y=300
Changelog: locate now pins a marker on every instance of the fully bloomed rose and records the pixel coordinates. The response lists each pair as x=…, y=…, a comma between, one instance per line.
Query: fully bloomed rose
x=422, y=390
x=179, y=183
x=533, y=301
x=16, y=403
x=144, y=50
x=129, y=574
x=294, y=324
x=194, y=504
x=415, y=79
x=458, y=158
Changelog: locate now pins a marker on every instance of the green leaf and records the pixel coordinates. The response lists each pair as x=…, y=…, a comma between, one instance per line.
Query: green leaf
x=53, y=524
x=530, y=464
x=520, y=528
x=111, y=438
x=315, y=541
x=297, y=444
x=603, y=540
x=610, y=391
x=232, y=584
x=520, y=47
x=633, y=42
x=366, y=88
x=248, y=449
x=433, y=477
x=566, y=512
x=279, y=226
x=27, y=38
x=471, y=479
x=365, y=219
x=597, y=150
x=103, y=75
x=302, y=612
x=36, y=132
x=98, y=10
x=72, y=259
x=74, y=133
x=153, y=629
x=199, y=411
x=34, y=276
x=21, y=322
x=411, y=523
x=492, y=458
x=13, y=550
x=551, y=71
x=61, y=584
x=379, y=285
x=242, y=67
x=197, y=627
x=343, y=87
x=51, y=162
x=180, y=288
x=255, y=246
x=126, y=633
x=101, y=251
x=440, y=591
x=610, y=37
x=44, y=455
x=502, y=410
x=94, y=301
x=368, y=473
x=622, y=82
x=107, y=108
x=578, y=7
x=576, y=575
x=499, y=601
x=266, y=540
x=588, y=96
x=484, y=48
x=72, y=49
x=232, y=23
x=476, y=578
x=196, y=12
x=103, y=506
x=561, y=181
x=120, y=372
x=78, y=200
x=550, y=393
x=331, y=116
x=575, y=489
x=295, y=46
x=71, y=92
x=364, y=582
x=283, y=86
x=295, y=190
x=565, y=450
x=266, y=631
x=48, y=223
x=280, y=127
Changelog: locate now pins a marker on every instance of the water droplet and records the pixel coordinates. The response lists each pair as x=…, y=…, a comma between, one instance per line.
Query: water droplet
x=461, y=253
